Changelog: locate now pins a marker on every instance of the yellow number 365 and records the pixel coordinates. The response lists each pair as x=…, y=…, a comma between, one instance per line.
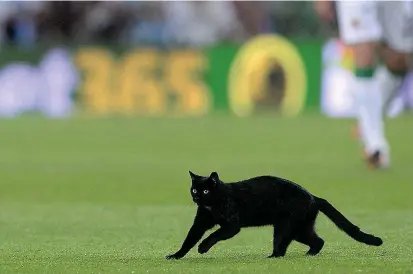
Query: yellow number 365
x=144, y=81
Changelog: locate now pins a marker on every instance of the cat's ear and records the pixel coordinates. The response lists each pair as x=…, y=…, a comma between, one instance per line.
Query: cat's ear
x=193, y=175
x=214, y=177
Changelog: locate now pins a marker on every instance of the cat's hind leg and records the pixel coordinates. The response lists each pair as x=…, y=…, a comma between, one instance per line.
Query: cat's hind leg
x=307, y=235
x=282, y=238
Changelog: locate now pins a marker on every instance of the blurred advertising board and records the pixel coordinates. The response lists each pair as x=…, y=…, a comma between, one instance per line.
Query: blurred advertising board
x=267, y=73
x=46, y=85
x=336, y=93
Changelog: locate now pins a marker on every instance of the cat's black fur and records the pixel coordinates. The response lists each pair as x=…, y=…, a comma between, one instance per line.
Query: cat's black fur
x=259, y=201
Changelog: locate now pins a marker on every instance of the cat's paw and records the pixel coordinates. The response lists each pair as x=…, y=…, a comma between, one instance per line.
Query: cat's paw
x=175, y=256
x=203, y=248
x=275, y=256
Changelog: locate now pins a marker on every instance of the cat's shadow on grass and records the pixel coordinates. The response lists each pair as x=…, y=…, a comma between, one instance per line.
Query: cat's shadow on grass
x=225, y=258
x=216, y=258
x=255, y=257
x=239, y=258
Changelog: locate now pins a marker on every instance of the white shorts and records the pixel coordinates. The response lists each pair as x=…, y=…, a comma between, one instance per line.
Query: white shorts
x=368, y=21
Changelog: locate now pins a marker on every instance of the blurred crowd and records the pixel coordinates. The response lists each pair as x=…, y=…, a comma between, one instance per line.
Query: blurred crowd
x=196, y=23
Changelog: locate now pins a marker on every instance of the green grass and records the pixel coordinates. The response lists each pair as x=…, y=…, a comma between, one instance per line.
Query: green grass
x=112, y=195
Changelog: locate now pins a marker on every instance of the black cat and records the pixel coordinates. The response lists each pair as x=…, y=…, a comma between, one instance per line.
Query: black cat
x=259, y=201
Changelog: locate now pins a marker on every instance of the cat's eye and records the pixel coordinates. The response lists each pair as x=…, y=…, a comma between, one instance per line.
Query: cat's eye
x=206, y=191
x=194, y=191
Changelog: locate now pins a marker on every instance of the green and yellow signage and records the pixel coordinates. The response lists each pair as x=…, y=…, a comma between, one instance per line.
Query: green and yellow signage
x=267, y=73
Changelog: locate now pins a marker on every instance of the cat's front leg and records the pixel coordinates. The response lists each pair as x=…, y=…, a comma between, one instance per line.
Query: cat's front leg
x=223, y=233
x=203, y=222
x=194, y=235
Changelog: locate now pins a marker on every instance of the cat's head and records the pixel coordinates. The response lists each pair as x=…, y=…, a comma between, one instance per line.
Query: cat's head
x=204, y=189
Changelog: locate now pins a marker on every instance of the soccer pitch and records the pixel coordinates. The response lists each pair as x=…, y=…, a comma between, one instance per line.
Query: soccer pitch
x=112, y=195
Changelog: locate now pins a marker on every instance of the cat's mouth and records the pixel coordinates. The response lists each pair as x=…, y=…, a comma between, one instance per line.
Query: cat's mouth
x=201, y=203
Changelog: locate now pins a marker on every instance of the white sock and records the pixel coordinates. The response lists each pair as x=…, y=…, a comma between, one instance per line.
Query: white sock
x=389, y=85
x=369, y=105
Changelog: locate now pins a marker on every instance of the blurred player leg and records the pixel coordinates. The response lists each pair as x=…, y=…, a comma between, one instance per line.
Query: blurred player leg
x=360, y=28
x=397, y=22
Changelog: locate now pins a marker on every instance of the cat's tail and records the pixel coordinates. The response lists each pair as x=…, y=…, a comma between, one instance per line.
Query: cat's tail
x=344, y=224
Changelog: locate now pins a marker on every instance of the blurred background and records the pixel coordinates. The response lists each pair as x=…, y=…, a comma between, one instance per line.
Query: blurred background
x=105, y=106
x=173, y=58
